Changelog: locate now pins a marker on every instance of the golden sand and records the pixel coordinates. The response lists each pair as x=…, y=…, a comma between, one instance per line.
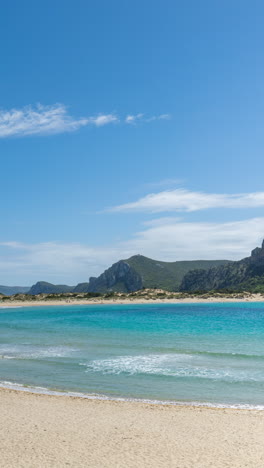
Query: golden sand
x=44, y=431
x=187, y=300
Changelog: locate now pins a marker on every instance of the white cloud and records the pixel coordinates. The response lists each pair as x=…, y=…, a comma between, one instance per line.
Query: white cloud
x=41, y=120
x=51, y=261
x=101, y=120
x=169, y=240
x=159, y=117
x=132, y=119
x=182, y=200
x=47, y=120
x=161, y=221
x=172, y=240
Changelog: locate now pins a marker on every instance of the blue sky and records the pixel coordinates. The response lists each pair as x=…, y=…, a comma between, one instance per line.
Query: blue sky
x=128, y=127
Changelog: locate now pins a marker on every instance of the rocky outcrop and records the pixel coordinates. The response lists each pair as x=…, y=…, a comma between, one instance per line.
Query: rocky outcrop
x=138, y=271
x=119, y=277
x=42, y=287
x=131, y=275
x=236, y=275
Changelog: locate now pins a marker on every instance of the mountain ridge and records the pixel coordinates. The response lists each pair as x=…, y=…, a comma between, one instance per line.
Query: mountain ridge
x=247, y=274
x=43, y=287
x=139, y=272
x=129, y=275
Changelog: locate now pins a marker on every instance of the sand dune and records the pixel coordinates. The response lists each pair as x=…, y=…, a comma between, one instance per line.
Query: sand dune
x=188, y=300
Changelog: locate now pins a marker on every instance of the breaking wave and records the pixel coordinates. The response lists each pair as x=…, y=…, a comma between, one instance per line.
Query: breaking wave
x=172, y=365
x=30, y=352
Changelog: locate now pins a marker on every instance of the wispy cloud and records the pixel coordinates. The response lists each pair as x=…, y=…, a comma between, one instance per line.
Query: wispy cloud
x=173, y=239
x=101, y=119
x=165, y=220
x=48, y=120
x=158, y=117
x=170, y=239
x=182, y=200
x=133, y=119
x=39, y=120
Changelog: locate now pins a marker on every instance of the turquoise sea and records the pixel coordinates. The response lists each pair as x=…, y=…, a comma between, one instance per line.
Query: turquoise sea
x=188, y=353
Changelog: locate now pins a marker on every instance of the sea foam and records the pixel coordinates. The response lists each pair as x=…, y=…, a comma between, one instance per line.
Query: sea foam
x=170, y=365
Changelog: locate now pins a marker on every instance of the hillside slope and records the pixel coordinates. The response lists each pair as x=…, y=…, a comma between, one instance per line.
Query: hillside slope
x=42, y=287
x=119, y=277
x=247, y=274
x=167, y=275
x=140, y=272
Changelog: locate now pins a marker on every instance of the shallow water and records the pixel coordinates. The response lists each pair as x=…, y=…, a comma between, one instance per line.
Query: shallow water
x=207, y=353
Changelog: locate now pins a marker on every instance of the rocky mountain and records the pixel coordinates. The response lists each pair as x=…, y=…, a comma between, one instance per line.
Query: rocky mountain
x=42, y=287
x=139, y=271
x=10, y=290
x=130, y=275
x=247, y=274
x=119, y=277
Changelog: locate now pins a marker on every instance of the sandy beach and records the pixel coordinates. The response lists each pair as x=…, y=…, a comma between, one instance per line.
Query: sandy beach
x=59, y=431
x=188, y=300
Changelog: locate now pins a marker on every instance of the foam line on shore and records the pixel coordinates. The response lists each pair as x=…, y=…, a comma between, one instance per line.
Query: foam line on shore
x=46, y=391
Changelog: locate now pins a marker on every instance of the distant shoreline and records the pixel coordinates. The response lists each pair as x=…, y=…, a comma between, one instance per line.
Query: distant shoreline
x=102, y=301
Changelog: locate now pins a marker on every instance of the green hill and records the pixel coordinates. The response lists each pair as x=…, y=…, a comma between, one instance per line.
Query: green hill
x=140, y=272
x=133, y=274
x=246, y=274
x=167, y=275
x=42, y=287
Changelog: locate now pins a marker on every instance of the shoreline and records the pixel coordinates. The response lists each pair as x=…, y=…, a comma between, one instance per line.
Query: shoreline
x=187, y=300
x=47, y=430
x=16, y=387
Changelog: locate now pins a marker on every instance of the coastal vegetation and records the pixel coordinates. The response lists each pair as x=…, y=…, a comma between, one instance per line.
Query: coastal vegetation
x=136, y=296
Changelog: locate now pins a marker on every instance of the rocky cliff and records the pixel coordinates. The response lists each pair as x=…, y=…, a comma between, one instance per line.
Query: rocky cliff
x=42, y=287
x=130, y=275
x=247, y=273
x=119, y=277
x=138, y=271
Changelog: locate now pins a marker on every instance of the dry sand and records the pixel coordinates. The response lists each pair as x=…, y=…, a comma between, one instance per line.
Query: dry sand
x=43, y=431
x=187, y=300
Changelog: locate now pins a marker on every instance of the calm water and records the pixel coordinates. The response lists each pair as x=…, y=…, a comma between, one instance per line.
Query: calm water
x=209, y=353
